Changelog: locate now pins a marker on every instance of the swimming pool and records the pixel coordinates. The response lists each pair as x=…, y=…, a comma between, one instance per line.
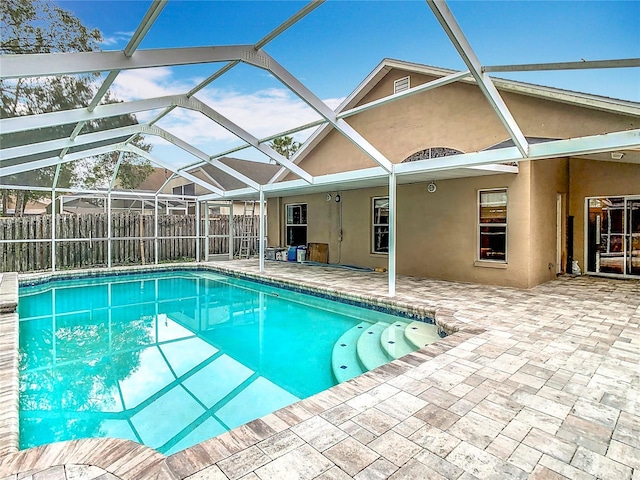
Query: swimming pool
x=170, y=359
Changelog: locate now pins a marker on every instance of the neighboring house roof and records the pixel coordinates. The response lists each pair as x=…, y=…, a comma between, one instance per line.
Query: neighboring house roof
x=257, y=171
x=155, y=181
x=33, y=207
x=586, y=100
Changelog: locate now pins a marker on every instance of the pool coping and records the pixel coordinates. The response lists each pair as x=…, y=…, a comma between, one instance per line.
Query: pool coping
x=107, y=453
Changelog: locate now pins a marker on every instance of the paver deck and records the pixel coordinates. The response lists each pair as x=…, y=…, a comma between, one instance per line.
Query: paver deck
x=541, y=383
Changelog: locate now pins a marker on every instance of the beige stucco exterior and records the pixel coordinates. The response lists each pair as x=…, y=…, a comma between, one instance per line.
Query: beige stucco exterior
x=437, y=233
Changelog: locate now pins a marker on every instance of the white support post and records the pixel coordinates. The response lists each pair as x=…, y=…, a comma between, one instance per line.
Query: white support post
x=198, y=219
x=261, y=232
x=53, y=230
x=392, y=234
x=207, y=213
x=231, y=230
x=449, y=24
x=53, y=217
x=109, y=229
x=155, y=228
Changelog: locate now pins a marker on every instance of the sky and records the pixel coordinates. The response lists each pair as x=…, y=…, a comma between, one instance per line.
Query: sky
x=337, y=45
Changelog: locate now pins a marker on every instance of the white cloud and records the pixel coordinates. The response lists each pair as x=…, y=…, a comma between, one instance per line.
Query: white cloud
x=116, y=38
x=262, y=113
x=147, y=83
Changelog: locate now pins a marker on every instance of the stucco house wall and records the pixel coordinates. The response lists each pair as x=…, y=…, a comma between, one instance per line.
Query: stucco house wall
x=437, y=233
x=455, y=116
x=594, y=179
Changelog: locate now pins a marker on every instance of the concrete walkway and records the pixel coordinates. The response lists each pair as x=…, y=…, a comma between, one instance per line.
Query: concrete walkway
x=541, y=383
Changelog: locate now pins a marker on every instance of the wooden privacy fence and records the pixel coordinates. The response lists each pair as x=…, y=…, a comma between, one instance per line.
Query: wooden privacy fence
x=82, y=240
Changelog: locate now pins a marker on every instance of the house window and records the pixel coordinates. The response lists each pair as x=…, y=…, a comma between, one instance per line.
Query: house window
x=492, y=225
x=401, y=85
x=186, y=189
x=380, y=240
x=297, y=224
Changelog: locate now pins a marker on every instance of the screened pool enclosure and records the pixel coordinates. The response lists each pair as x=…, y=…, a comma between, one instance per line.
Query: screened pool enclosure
x=33, y=143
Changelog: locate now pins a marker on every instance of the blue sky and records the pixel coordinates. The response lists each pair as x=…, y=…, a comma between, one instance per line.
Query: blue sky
x=337, y=45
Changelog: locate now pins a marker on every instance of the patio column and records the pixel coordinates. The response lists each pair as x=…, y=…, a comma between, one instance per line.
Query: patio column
x=392, y=234
x=155, y=228
x=231, y=224
x=207, y=213
x=198, y=230
x=53, y=230
x=53, y=219
x=109, y=229
x=261, y=233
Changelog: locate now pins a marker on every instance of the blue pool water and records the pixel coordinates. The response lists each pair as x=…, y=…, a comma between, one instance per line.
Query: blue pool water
x=171, y=359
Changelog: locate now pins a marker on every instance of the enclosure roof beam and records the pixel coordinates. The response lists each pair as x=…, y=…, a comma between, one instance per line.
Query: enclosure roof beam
x=197, y=105
x=449, y=24
x=43, y=120
x=26, y=150
x=151, y=15
x=490, y=160
x=61, y=118
x=591, y=144
x=319, y=106
x=45, y=64
x=161, y=163
x=166, y=182
x=304, y=11
x=52, y=161
x=582, y=65
x=439, y=82
x=115, y=171
x=301, y=128
x=199, y=154
x=51, y=145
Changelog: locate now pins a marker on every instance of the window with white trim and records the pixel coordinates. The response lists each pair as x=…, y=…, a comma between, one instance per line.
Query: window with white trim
x=380, y=225
x=401, y=84
x=186, y=189
x=492, y=225
x=296, y=224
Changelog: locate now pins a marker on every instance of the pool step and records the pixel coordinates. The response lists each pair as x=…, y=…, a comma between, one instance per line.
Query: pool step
x=344, y=357
x=421, y=334
x=394, y=342
x=369, y=348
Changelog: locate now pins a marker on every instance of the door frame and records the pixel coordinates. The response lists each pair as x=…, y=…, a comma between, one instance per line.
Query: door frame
x=625, y=234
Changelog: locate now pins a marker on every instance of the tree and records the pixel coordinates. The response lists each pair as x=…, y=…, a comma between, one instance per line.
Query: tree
x=43, y=27
x=285, y=146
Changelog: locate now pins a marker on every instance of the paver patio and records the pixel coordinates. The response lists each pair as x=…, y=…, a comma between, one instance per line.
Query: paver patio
x=541, y=383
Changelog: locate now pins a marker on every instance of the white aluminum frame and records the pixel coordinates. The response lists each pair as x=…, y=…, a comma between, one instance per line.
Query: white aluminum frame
x=16, y=66
x=625, y=226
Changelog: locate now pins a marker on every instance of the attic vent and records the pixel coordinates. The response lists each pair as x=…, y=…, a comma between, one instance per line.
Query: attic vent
x=401, y=85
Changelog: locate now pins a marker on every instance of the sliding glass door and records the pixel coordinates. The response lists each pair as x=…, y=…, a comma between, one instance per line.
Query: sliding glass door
x=613, y=235
x=633, y=239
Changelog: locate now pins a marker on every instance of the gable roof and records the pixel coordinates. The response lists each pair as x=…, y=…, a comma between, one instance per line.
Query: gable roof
x=258, y=171
x=586, y=100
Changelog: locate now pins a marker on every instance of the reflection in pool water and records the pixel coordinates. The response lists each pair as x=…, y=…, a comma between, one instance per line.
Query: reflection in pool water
x=170, y=359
